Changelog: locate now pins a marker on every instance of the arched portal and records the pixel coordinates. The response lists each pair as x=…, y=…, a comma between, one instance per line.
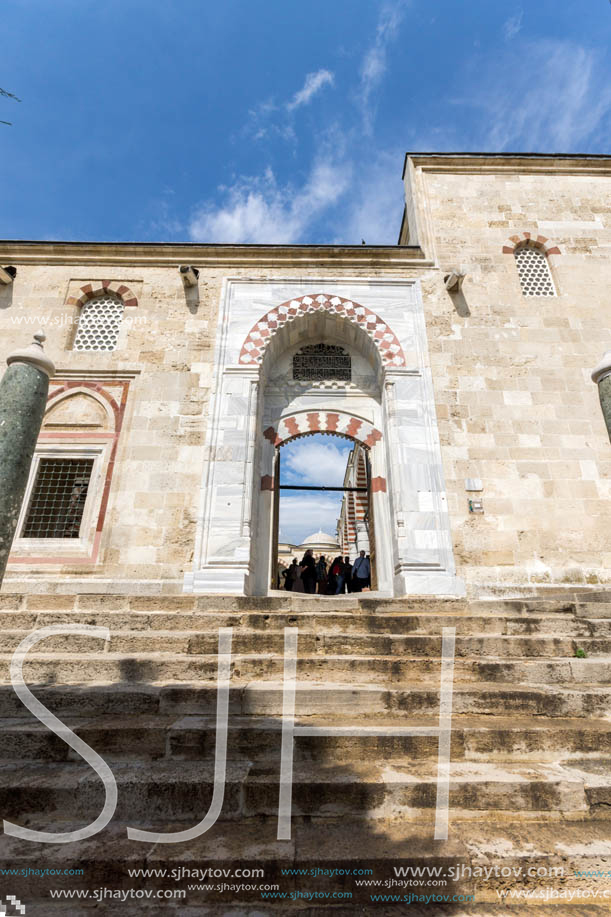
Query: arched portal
x=371, y=510
x=321, y=372
x=351, y=361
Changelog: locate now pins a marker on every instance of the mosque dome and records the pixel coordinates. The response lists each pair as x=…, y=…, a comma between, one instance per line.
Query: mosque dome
x=321, y=538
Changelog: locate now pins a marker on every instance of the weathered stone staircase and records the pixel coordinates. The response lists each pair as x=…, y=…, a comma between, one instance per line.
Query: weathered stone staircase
x=530, y=750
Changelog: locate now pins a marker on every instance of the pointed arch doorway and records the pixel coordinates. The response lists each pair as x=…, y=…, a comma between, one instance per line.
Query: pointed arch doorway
x=372, y=512
x=355, y=523
x=259, y=400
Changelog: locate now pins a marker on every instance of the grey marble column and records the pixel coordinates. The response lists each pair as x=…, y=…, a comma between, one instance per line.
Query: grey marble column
x=23, y=397
x=601, y=375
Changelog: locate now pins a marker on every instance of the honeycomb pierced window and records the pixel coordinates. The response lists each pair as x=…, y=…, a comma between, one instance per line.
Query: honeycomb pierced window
x=533, y=271
x=99, y=323
x=58, y=498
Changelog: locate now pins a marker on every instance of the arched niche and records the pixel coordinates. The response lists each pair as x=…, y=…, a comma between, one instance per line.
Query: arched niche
x=321, y=327
x=79, y=408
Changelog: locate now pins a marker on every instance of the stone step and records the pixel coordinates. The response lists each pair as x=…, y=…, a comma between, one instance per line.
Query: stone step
x=307, y=909
x=476, y=851
x=321, y=643
x=40, y=668
x=285, y=602
x=193, y=737
x=473, y=739
x=598, y=610
x=332, y=622
x=282, y=601
x=182, y=790
x=336, y=701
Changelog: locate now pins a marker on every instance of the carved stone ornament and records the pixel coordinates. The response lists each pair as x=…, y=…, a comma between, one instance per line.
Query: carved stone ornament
x=316, y=362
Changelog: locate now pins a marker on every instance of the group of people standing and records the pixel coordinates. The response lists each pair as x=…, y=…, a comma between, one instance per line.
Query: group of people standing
x=336, y=578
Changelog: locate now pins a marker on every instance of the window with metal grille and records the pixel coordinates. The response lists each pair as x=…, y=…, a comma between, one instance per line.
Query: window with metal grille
x=58, y=498
x=99, y=323
x=533, y=271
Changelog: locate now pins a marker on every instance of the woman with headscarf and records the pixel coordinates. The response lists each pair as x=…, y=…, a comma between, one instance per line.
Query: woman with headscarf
x=308, y=571
x=297, y=582
x=321, y=575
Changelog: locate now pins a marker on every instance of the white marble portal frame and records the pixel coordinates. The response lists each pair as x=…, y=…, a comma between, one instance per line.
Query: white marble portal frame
x=233, y=550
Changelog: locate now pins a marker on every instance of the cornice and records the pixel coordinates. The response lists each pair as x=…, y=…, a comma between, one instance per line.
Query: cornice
x=524, y=163
x=171, y=254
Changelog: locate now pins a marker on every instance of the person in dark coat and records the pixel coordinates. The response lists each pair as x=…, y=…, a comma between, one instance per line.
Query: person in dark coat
x=290, y=575
x=321, y=574
x=343, y=581
x=348, y=574
x=308, y=571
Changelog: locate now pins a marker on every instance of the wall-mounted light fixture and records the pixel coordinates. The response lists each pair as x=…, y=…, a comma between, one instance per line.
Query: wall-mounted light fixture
x=8, y=274
x=189, y=275
x=473, y=486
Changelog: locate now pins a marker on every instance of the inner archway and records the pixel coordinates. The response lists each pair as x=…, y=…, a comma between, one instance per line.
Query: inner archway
x=322, y=502
x=366, y=510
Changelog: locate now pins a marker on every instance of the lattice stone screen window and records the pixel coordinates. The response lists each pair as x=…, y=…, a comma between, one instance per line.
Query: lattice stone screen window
x=99, y=323
x=533, y=271
x=58, y=498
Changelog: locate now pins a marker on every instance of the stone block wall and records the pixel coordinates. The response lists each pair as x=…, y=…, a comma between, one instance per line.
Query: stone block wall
x=165, y=356
x=515, y=404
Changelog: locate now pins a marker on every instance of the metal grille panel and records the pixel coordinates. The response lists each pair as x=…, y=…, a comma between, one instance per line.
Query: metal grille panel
x=58, y=498
x=533, y=271
x=99, y=324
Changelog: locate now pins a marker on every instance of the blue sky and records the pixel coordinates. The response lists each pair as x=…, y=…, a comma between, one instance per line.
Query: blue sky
x=273, y=121
x=312, y=460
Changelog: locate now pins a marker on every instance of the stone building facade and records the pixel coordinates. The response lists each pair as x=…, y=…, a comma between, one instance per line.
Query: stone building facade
x=354, y=523
x=471, y=344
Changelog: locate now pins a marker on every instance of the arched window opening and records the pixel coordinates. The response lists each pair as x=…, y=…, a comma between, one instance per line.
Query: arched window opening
x=533, y=271
x=99, y=324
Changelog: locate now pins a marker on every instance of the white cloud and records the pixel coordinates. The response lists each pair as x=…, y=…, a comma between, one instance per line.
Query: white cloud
x=557, y=100
x=262, y=126
x=261, y=209
x=301, y=516
x=512, y=26
x=257, y=209
x=376, y=206
x=267, y=120
x=310, y=461
x=314, y=82
x=375, y=63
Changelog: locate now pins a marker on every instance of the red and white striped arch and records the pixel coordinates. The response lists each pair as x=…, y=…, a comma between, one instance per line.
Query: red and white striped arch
x=540, y=242
x=337, y=422
x=101, y=288
x=305, y=423
x=383, y=337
